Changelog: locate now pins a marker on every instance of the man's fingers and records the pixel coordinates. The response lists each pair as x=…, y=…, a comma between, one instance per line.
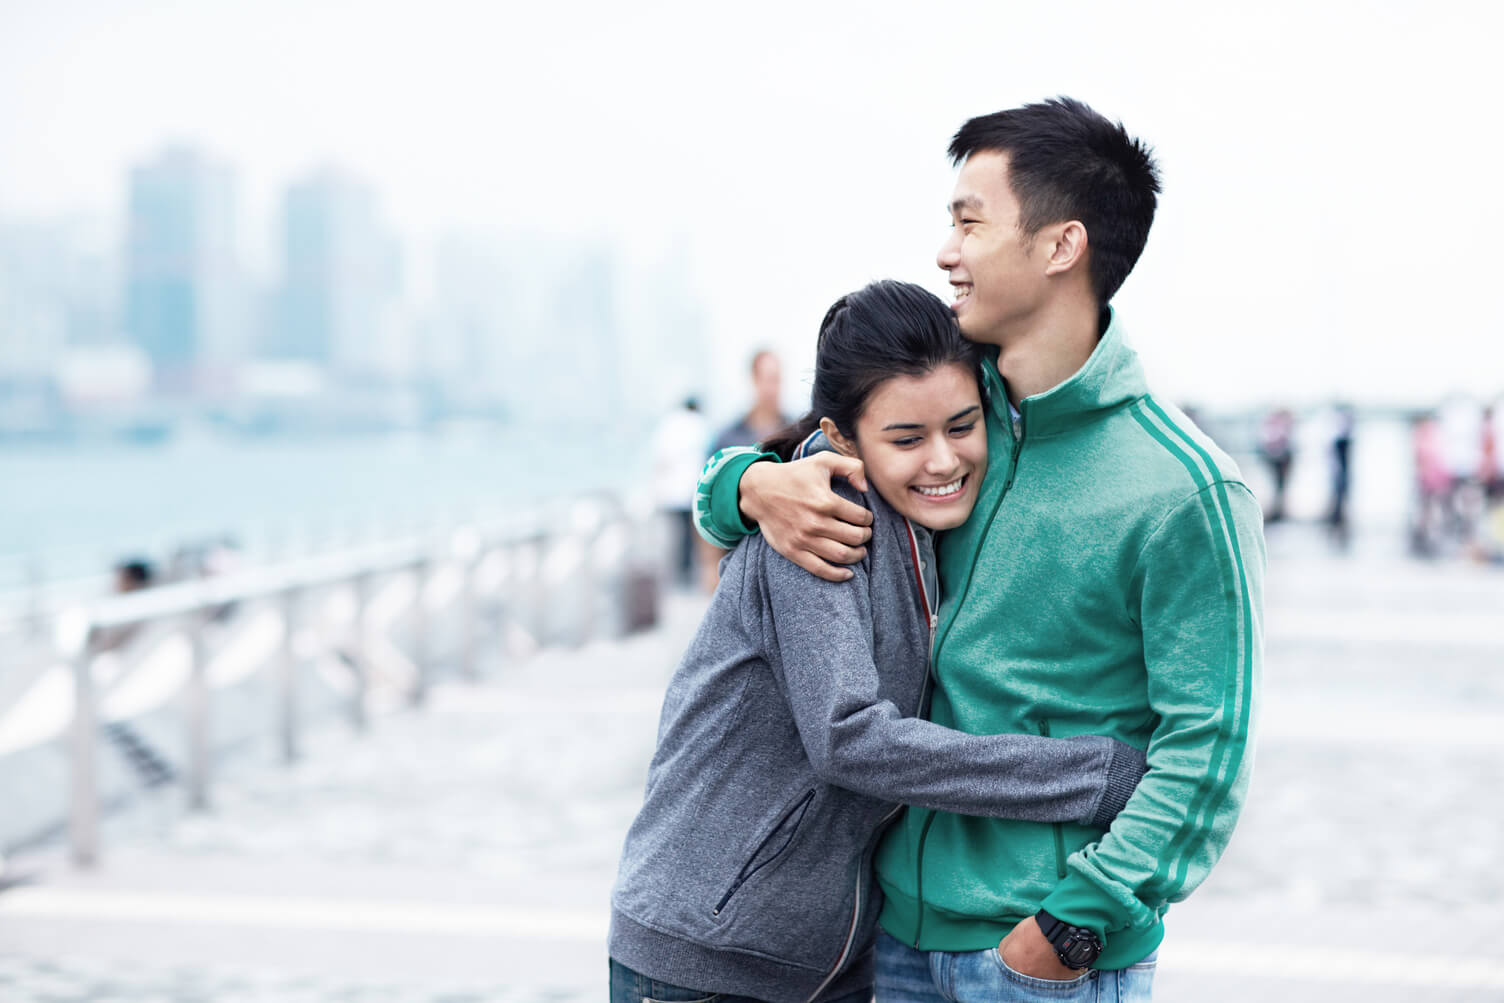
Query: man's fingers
x=820, y=569
x=831, y=531
x=848, y=467
x=849, y=513
x=837, y=553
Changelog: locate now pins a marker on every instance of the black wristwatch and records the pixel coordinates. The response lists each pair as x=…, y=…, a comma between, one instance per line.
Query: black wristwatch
x=1076, y=946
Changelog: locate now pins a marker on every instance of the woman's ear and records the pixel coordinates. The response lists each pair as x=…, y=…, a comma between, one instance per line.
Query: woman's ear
x=843, y=445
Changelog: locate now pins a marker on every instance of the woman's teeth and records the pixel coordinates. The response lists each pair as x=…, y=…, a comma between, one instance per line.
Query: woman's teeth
x=944, y=489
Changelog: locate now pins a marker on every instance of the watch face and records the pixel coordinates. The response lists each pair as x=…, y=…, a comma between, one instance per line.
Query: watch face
x=1080, y=951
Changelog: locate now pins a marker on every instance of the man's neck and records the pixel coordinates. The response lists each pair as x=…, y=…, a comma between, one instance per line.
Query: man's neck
x=1050, y=351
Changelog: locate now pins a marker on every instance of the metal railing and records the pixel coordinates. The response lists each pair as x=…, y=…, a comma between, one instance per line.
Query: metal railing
x=475, y=587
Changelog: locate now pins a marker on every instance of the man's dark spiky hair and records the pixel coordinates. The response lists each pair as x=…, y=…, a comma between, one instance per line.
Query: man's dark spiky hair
x=1066, y=161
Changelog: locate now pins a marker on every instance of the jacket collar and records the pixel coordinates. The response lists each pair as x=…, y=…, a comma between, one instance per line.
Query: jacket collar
x=1111, y=378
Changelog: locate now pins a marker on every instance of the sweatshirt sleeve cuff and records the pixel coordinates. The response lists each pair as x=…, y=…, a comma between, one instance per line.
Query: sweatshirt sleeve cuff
x=718, y=514
x=1079, y=902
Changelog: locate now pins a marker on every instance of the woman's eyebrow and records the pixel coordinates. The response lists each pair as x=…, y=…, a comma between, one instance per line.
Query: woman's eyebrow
x=900, y=425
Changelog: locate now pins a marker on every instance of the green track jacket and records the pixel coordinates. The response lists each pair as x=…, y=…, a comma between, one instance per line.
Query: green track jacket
x=1110, y=582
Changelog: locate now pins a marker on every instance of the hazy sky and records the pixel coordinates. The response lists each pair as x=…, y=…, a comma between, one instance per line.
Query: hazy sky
x=1329, y=223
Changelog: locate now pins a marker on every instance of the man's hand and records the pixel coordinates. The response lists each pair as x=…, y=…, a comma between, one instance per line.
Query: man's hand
x=1027, y=952
x=802, y=518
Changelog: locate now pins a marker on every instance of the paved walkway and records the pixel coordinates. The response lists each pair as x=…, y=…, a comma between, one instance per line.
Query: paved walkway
x=465, y=852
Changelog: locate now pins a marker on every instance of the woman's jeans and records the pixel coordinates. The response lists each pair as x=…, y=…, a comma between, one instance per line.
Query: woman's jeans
x=628, y=986
x=905, y=975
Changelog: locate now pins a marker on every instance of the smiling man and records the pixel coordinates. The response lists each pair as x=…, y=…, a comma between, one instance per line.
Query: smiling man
x=1109, y=580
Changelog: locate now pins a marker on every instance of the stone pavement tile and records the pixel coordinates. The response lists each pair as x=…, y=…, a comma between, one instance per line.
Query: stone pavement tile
x=68, y=979
x=1171, y=986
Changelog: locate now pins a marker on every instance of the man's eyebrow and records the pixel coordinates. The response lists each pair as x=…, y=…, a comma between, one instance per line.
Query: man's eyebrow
x=966, y=202
x=901, y=425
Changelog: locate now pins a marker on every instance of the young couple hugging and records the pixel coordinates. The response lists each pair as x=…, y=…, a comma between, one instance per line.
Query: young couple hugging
x=973, y=702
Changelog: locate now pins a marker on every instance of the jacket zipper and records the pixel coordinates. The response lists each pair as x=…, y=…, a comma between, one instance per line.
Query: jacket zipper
x=862, y=867
x=927, y=606
x=747, y=869
x=1018, y=445
x=1044, y=730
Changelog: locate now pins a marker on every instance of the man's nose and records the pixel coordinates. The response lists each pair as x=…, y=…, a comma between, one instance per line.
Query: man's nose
x=950, y=251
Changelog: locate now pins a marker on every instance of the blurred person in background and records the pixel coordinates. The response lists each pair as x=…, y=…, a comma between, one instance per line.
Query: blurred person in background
x=1432, y=484
x=1111, y=574
x=1461, y=448
x=790, y=730
x=1342, y=450
x=133, y=575
x=1277, y=450
x=1490, y=467
x=765, y=418
x=678, y=454
x=1490, y=542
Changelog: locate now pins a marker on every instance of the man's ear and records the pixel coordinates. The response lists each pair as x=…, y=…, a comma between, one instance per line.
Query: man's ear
x=1067, y=247
x=843, y=445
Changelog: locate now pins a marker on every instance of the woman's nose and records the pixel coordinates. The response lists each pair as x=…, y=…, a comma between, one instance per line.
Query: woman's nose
x=941, y=459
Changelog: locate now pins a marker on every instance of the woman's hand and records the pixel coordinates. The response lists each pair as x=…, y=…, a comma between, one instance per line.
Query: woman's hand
x=802, y=518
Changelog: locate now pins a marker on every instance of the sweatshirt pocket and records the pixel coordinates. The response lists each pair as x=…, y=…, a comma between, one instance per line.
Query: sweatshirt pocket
x=770, y=847
x=1044, y=730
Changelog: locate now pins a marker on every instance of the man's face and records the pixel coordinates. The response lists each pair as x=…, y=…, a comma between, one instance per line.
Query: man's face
x=997, y=282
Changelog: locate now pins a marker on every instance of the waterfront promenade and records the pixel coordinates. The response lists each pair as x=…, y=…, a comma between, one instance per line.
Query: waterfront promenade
x=465, y=851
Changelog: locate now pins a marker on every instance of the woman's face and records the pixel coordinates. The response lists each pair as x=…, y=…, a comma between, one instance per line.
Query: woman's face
x=923, y=444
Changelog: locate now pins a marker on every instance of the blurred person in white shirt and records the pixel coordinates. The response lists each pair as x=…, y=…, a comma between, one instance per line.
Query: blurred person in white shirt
x=678, y=454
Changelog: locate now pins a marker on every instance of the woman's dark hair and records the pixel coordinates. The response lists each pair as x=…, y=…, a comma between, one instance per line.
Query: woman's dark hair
x=883, y=330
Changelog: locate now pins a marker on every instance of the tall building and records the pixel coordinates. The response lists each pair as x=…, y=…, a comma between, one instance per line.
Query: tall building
x=528, y=323
x=55, y=293
x=182, y=303
x=341, y=279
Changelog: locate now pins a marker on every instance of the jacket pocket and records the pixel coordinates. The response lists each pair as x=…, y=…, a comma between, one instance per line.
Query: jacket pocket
x=1044, y=730
x=770, y=847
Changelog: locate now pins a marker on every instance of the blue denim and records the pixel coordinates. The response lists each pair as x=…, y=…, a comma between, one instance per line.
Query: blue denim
x=628, y=986
x=905, y=975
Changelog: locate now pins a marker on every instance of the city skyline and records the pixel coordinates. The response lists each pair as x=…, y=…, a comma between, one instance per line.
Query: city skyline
x=514, y=324
x=1311, y=155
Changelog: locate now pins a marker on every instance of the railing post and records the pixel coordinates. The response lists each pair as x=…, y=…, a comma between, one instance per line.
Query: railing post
x=83, y=817
x=289, y=701
x=465, y=546
x=586, y=583
x=198, y=715
x=360, y=652
x=422, y=657
x=34, y=580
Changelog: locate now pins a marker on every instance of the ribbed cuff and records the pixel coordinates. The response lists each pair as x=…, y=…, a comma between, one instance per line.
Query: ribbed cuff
x=717, y=514
x=1125, y=769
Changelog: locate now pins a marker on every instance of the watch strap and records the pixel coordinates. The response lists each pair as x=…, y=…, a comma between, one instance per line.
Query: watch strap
x=1049, y=925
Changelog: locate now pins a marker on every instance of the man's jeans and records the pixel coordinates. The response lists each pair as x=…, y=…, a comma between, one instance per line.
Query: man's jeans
x=905, y=975
x=628, y=986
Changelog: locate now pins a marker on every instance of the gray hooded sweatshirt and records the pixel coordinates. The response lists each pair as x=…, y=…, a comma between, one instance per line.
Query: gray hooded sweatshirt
x=790, y=734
